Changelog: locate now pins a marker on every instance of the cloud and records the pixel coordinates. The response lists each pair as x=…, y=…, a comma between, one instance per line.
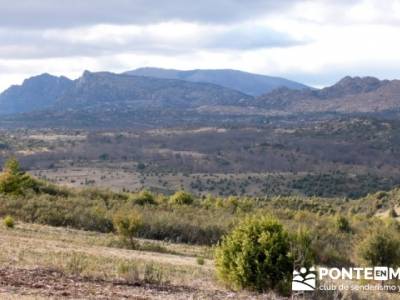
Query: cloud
x=251, y=36
x=77, y=13
x=172, y=38
x=315, y=42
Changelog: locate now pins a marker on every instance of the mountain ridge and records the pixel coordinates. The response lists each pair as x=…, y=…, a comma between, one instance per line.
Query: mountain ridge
x=248, y=83
x=350, y=94
x=129, y=100
x=46, y=91
x=110, y=87
x=35, y=93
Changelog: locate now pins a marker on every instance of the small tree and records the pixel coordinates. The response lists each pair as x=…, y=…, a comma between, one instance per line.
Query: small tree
x=256, y=256
x=181, y=198
x=380, y=248
x=13, y=180
x=127, y=225
x=12, y=166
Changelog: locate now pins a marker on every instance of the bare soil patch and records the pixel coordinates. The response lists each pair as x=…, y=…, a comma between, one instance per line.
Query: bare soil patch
x=53, y=284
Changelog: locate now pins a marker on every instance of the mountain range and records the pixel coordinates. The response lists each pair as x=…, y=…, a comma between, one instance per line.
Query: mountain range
x=349, y=95
x=135, y=97
x=35, y=93
x=248, y=83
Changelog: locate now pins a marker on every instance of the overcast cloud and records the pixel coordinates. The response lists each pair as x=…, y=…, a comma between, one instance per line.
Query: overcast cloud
x=76, y=13
x=315, y=42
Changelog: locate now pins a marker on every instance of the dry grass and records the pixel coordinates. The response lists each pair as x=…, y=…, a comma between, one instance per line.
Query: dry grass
x=118, y=177
x=59, y=256
x=80, y=254
x=89, y=238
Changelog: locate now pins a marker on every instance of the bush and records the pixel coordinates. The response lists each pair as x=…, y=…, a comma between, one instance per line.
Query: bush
x=129, y=272
x=301, y=249
x=200, y=261
x=144, y=197
x=181, y=198
x=380, y=248
x=153, y=274
x=127, y=225
x=9, y=222
x=342, y=224
x=77, y=263
x=184, y=224
x=256, y=256
x=141, y=166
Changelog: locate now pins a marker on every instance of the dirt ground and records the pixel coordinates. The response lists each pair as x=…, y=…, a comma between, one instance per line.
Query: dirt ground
x=42, y=283
x=44, y=262
x=55, y=284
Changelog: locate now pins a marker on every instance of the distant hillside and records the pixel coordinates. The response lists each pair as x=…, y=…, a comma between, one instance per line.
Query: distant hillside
x=103, y=88
x=35, y=93
x=349, y=95
x=104, y=100
x=248, y=83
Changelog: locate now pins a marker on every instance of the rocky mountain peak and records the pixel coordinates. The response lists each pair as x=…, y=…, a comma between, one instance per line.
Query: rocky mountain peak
x=355, y=85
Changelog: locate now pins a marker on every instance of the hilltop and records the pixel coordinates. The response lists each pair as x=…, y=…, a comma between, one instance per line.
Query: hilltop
x=349, y=95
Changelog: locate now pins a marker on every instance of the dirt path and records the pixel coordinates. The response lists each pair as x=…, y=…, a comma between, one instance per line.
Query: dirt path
x=42, y=283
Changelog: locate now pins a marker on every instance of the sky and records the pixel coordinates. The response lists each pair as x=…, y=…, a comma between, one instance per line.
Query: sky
x=313, y=42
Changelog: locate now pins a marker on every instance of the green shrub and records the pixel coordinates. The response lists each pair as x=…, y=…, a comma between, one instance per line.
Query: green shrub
x=141, y=166
x=153, y=274
x=181, y=198
x=256, y=256
x=301, y=249
x=331, y=246
x=77, y=263
x=200, y=261
x=144, y=197
x=9, y=222
x=343, y=224
x=381, y=194
x=153, y=247
x=127, y=225
x=184, y=224
x=129, y=272
x=380, y=248
x=94, y=219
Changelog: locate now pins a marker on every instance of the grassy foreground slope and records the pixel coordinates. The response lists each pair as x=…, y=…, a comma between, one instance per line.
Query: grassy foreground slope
x=43, y=261
x=75, y=252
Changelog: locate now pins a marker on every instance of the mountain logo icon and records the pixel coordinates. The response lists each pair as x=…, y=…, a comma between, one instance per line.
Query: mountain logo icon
x=304, y=280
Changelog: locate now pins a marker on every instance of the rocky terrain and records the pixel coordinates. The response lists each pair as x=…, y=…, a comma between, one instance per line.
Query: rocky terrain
x=107, y=100
x=349, y=95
